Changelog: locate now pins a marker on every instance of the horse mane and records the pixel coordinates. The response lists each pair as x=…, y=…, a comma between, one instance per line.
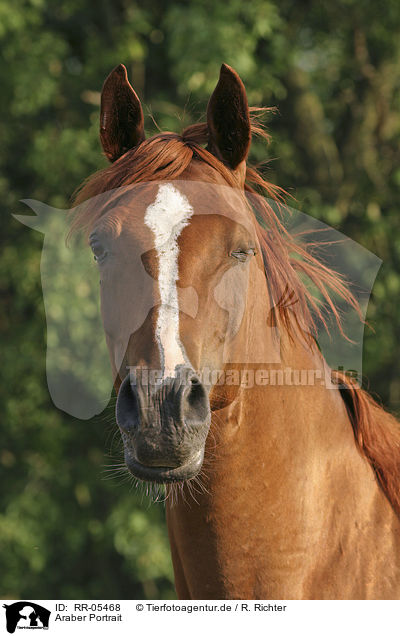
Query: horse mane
x=377, y=437
x=288, y=264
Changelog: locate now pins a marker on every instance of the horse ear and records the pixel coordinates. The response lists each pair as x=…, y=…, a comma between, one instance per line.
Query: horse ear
x=121, y=118
x=228, y=119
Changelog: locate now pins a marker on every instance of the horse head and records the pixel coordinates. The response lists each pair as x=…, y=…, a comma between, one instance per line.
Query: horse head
x=178, y=212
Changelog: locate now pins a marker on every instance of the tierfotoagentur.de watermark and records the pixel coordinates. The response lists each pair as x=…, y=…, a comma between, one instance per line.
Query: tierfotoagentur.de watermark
x=247, y=378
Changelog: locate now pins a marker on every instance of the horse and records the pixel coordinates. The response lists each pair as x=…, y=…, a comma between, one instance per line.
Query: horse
x=278, y=490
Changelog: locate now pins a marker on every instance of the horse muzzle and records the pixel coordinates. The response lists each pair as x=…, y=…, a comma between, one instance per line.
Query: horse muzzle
x=164, y=425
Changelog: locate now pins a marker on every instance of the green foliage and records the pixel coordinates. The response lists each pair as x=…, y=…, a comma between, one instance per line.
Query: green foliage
x=333, y=72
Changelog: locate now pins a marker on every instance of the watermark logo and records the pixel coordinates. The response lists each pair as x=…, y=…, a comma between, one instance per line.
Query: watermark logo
x=247, y=378
x=26, y=615
x=85, y=333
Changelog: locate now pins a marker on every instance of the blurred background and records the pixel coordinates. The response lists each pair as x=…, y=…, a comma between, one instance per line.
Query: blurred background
x=333, y=72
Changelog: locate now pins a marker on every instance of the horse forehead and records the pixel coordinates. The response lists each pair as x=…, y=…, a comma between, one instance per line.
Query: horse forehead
x=175, y=204
x=169, y=213
x=154, y=210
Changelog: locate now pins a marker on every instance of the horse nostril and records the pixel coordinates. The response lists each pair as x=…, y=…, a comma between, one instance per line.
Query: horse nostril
x=196, y=408
x=195, y=394
x=127, y=409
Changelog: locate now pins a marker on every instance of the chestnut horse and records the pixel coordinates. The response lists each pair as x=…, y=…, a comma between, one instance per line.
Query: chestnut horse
x=297, y=487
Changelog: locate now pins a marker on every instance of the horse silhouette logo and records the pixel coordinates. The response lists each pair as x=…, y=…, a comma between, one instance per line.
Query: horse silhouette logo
x=77, y=360
x=26, y=615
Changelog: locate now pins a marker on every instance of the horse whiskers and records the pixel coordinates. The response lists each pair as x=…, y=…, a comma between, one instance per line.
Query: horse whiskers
x=116, y=439
x=197, y=484
x=155, y=493
x=120, y=478
x=190, y=487
x=191, y=491
x=114, y=467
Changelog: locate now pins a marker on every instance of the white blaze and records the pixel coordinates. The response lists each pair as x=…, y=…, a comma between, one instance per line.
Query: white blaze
x=166, y=218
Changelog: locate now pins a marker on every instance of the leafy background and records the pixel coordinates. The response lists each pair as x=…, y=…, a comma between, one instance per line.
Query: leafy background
x=333, y=71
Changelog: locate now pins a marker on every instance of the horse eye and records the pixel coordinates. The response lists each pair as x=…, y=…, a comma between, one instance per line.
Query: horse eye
x=243, y=255
x=99, y=252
